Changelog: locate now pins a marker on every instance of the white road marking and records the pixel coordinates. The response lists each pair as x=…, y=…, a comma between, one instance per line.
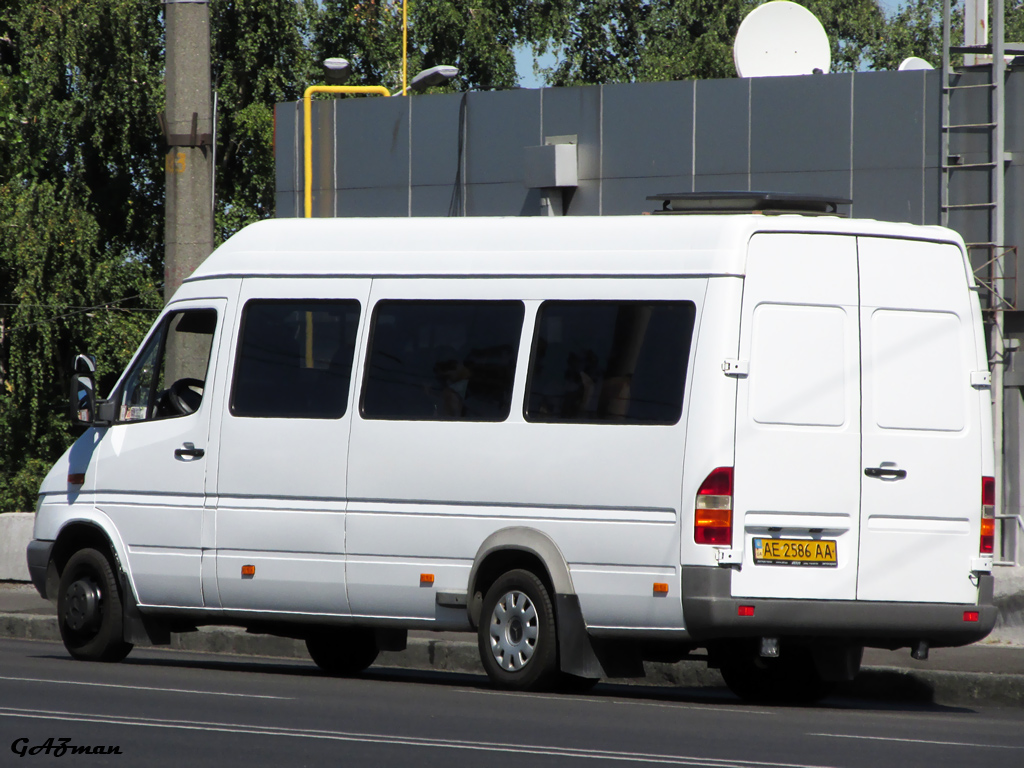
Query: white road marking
x=626, y=700
x=408, y=741
x=148, y=688
x=917, y=741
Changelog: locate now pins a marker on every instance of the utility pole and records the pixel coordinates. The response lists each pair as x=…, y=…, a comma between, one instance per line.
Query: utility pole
x=187, y=127
x=188, y=165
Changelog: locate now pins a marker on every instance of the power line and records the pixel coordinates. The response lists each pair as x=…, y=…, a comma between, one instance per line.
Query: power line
x=109, y=306
x=69, y=306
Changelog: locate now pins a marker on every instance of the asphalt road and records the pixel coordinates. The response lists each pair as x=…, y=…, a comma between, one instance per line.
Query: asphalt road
x=163, y=708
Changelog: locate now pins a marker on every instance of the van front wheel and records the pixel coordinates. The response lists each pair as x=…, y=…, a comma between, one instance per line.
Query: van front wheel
x=517, y=637
x=89, y=609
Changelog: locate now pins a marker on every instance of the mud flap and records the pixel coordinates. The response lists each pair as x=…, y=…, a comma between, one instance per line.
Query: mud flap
x=137, y=629
x=584, y=656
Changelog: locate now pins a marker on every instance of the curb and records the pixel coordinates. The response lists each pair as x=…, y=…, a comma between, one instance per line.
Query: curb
x=952, y=689
x=875, y=683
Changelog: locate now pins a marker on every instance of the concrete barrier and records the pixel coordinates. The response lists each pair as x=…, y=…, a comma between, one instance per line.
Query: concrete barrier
x=15, y=534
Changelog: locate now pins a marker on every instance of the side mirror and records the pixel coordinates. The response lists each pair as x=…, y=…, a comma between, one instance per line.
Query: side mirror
x=83, y=392
x=83, y=399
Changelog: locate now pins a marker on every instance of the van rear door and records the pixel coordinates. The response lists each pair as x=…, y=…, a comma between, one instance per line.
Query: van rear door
x=922, y=424
x=796, y=501
x=859, y=434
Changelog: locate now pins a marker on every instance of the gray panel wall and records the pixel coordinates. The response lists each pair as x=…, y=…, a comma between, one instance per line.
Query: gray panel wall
x=871, y=136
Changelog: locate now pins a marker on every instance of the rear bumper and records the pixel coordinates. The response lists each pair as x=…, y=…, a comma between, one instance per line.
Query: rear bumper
x=38, y=556
x=710, y=612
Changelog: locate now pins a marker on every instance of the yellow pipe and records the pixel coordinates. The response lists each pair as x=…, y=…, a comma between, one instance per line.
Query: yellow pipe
x=405, y=50
x=307, y=127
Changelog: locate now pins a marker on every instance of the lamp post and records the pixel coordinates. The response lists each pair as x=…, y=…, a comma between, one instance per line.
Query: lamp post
x=428, y=78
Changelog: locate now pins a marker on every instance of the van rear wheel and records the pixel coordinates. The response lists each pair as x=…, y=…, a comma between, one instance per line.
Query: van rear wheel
x=89, y=609
x=790, y=678
x=517, y=637
x=343, y=652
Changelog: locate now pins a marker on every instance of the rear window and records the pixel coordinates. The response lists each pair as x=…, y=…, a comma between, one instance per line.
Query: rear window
x=609, y=362
x=295, y=359
x=442, y=360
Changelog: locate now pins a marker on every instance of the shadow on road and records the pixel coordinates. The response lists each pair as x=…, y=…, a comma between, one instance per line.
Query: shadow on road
x=871, y=691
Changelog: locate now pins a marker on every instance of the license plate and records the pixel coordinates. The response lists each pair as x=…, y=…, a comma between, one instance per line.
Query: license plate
x=814, y=552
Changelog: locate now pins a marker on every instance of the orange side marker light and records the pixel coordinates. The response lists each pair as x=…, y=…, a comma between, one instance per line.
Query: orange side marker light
x=248, y=571
x=426, y=578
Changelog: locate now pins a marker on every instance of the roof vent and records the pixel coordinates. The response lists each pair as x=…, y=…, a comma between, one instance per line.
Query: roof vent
x=750, y=202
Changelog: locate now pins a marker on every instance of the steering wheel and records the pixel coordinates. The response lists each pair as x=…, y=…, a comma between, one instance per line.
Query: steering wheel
x=184, y=396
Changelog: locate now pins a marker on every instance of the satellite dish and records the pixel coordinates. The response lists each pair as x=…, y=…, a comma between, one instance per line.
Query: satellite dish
x=781, y=38
x=914, y=62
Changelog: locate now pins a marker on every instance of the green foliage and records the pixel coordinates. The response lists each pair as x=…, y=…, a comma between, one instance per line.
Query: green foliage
x=607, y=41
x=915, y=29
x=81, y=210
x=477, y=36
x=1013, y=21
x=367, y=33
x=18, y=489
x=261, y=56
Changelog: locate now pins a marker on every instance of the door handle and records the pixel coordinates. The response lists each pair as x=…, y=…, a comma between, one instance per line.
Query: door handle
x=898, y=474
x=189, y=449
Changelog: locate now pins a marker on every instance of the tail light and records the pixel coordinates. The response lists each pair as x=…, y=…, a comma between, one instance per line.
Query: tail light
x=712, y=518
x=988, y=515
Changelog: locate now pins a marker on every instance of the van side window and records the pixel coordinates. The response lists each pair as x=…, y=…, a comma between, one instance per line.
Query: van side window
x=295, y=359
x=442, y=360
x=169, y=376
x=609, y=361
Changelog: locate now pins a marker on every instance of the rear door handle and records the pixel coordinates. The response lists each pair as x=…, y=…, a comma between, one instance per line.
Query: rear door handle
x=189, y=449
x=898, y=474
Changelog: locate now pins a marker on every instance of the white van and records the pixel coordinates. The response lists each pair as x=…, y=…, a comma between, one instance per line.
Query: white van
x=592, y=441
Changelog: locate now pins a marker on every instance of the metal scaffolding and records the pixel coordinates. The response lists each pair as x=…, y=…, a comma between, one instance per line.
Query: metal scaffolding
x=995, y=255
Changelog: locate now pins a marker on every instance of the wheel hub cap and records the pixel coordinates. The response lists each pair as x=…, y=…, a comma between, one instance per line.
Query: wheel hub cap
x=514, y=631
x=83, y=605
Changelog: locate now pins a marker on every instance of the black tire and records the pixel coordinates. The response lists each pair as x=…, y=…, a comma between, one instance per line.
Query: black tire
x=343, y=652
x=517, y=637
x=89, y=609
x=790, y=678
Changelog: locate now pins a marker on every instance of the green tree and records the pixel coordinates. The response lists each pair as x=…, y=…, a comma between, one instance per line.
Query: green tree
x=1013, y=20
x=261, y=56
x=477, y=36
x=915, y=29
x=605, y=41
x=81, y=190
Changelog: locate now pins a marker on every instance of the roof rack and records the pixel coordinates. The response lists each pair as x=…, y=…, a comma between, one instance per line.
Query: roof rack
x=771, y=203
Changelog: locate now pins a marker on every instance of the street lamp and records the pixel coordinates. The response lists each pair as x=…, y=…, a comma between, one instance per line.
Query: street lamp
x=428, y=78
x=337, y=71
